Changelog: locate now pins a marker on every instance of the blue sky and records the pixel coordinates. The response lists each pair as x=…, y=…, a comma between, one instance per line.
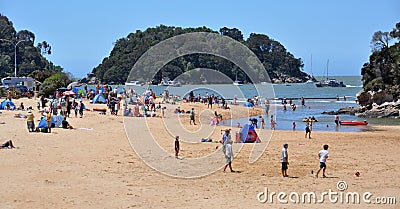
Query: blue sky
x=82, y=33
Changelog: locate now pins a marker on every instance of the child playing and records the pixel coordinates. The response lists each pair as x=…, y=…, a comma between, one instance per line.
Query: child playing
x=323, y=155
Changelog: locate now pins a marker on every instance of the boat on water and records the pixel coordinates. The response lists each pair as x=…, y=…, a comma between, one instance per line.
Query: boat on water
x=133, y=83
x=312, y=79
x=353, y=123
x=237, y=82
x=329, y=82
x=170, y=83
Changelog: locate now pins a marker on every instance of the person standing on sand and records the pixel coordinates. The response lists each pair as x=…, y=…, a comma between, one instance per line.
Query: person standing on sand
x=323, y=155
x=262, y=122
x=308, y=130
x=210, y=102
x=30, y=121
x=192, y=117
x=48, y=120
x=177, y=147
x=76, y=108
x=294, y=125
x=272, y=123
x=284, y=160
x=81, y=109
x=337, y=119
x=228, y=155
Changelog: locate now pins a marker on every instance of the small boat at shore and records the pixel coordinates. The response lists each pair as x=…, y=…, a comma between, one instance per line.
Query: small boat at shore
x=133, y=83
x=353, y=123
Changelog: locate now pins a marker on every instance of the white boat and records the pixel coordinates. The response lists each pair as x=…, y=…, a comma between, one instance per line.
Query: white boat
x=133, y=83
x=329, y=82
x=170, y=83
x=310, y=81
x=237, y=83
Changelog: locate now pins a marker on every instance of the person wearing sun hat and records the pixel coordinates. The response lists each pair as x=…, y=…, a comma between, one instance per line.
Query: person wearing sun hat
x=284, y=160
x=225, y=138
x=30, y=121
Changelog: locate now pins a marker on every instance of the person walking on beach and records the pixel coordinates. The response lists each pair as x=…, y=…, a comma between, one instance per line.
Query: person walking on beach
x=228, y=155
x=225, y=138
x=284, y=160
x=337, y=119
x=294, y=125
x=323, y=155
x=177, y=147
x=192, y=117
x=308, y=130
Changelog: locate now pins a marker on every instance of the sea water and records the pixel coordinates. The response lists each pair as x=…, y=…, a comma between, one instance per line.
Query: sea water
x=317, y=100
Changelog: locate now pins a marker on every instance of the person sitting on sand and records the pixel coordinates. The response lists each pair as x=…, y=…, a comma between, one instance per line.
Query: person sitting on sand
x=66, y=125
x=21, y=106
x=8, y=144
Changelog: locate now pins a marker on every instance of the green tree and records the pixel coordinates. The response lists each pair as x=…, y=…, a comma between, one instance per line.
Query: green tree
x=52, y=83
x=382, y=72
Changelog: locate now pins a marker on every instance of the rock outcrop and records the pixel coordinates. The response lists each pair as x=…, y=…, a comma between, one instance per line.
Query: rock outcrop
x=385, y=110
x=377, y=105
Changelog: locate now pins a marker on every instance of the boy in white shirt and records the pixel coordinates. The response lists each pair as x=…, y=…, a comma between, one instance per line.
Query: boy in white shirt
x=284, y=160
x=323, y=155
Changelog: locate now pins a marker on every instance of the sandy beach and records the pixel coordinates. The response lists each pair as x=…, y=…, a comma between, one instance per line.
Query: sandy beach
x=94, y=166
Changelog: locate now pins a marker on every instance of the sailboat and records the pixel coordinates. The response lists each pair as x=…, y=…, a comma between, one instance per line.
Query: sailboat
x=237, y=83
x=329, y=82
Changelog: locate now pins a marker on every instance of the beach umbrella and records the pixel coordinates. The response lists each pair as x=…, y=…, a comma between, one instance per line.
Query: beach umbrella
x=69, y=93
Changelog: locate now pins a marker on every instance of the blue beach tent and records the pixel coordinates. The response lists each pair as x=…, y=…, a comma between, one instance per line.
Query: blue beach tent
x=99, y=98
x=4, y=104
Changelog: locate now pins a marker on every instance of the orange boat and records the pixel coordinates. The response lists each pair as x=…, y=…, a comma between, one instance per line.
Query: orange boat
x=353, y=123
x=100, y=109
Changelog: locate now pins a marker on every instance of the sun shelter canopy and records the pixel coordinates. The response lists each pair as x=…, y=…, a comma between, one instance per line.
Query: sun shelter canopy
x=4, y=103
x=248, y=134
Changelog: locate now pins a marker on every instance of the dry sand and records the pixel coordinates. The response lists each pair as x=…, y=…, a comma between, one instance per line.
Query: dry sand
x=99, y=169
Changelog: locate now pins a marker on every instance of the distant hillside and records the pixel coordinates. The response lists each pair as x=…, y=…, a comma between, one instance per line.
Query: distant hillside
x=30, y=58
x=280, y=64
